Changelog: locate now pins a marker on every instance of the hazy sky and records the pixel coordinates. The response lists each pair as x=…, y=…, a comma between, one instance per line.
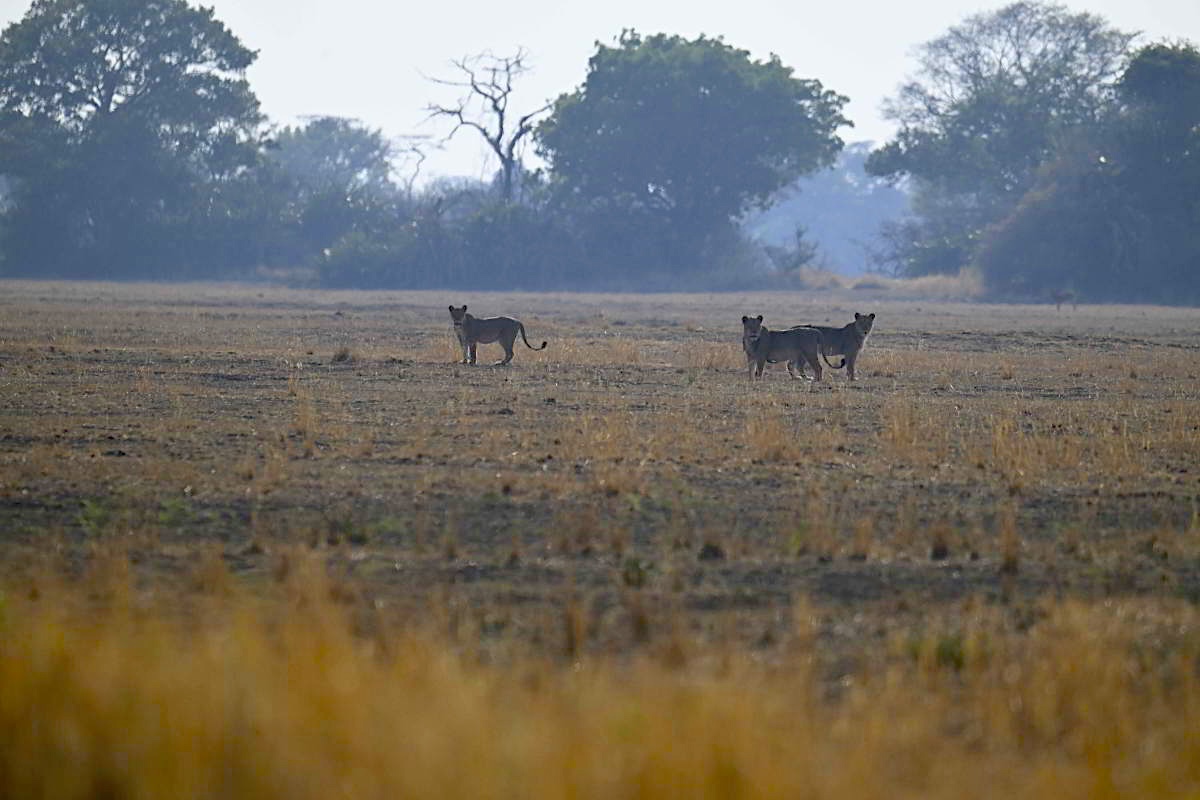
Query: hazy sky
x=366, y=58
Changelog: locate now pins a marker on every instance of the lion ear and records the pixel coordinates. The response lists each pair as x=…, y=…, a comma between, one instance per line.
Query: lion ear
x=464, y=307
x=451, y=309
x=760, y=317
x=745, y=319
x=871, y=315
x=857, y=315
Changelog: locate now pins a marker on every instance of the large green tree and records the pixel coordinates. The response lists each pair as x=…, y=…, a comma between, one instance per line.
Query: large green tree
x=340, y=177
x=1116, y=216
x=119, y=121
x=669, y=140
x=337, y=153
x=992, y=99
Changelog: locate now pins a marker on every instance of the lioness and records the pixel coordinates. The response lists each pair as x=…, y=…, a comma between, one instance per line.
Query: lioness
x=847, y=341
x=473, y=330
x=794, y=346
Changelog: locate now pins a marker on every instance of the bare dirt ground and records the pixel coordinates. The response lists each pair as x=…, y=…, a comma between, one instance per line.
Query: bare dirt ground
x=628, y=479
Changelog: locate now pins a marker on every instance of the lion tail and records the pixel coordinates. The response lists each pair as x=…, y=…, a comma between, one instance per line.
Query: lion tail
x=833, y=366
x=821, y=338
x=521, y=328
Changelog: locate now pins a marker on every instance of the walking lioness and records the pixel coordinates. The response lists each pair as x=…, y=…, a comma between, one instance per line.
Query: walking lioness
x=472, y=331
x=847, y=341
x=795, y=346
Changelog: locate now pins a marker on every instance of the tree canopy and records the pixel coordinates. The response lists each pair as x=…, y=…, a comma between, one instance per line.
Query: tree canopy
x=686, y=134
x=113, y=115
x=333, y=152
x=1116, y=214
x=336, y=176
x=992, y=99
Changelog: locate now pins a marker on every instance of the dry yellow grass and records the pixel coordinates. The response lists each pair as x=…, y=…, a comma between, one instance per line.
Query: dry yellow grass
x=966, y=285
x=281, y=697
x=711, y=356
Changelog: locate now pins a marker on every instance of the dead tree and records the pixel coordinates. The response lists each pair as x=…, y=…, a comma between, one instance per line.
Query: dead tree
x=410, y=155
x=487, y=85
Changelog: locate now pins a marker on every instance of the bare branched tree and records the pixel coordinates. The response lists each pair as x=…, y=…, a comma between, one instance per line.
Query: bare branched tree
x=487, y=82
x=409, y=154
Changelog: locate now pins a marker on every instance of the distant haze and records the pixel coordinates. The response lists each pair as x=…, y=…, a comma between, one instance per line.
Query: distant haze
x=366, y=59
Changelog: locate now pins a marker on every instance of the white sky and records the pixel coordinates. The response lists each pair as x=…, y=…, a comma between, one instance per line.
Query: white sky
x=366, y=58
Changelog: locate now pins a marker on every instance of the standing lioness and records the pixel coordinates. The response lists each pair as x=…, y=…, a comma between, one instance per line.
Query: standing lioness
x=472, y=331
x=847, y=341
x=795, y=346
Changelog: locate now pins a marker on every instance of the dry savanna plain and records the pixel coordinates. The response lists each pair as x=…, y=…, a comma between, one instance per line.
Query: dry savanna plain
x=269, y=542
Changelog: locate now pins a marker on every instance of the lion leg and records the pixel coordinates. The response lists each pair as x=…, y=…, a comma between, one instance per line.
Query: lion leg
x=507, y=342
x=472, y=347
x=850, y=365
x=759, y=366
x=815, y=361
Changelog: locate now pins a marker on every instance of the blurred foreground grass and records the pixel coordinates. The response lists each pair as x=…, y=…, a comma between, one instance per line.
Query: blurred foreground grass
x=108, y=691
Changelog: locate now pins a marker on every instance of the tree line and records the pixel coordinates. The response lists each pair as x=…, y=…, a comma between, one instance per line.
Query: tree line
x=1044, y=149
x=1037, y=145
